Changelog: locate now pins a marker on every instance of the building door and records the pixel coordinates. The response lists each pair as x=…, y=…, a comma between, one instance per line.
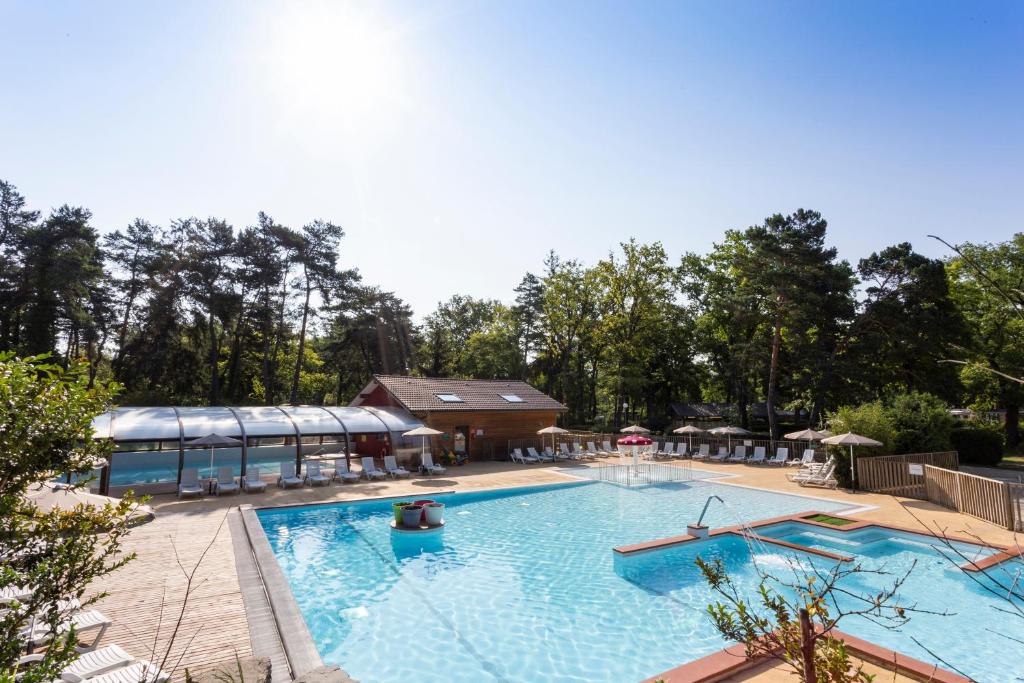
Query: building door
x=461, y=443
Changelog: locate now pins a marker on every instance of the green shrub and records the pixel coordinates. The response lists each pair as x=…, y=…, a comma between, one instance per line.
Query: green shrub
x=921, y=423
x=978, y=445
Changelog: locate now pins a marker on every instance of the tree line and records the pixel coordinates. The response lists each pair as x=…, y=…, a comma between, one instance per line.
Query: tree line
x=199, y=311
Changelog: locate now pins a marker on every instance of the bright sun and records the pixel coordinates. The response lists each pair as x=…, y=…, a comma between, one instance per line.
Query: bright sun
x=336, y=63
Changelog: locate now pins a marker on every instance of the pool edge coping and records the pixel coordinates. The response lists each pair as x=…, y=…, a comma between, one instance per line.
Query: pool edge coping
x=299, y=646
x=732, y=660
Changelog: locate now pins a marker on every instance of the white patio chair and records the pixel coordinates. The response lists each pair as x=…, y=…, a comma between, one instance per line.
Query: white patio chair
x=722, y=454
x=314, y=475
x=226, y=481
x=370, y=469
x=703, y=452
x=428, y=465
x=253, y=482
x=288, y=479
x=781, y=453
x=738, y=455
x=758, y=457
x=190, y=484
x=391, y=467
x=341, y=471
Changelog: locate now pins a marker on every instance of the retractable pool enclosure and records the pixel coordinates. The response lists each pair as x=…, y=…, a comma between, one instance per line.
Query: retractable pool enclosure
x=152, y=444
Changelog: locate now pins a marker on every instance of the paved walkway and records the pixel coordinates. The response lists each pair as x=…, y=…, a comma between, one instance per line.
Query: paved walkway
x=146, y=598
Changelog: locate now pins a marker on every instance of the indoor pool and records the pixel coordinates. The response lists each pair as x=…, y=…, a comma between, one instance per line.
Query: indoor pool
x=974, y=636
x=520, y=586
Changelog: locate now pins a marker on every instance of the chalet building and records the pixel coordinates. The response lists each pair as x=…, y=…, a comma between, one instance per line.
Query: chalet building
x=477, y=416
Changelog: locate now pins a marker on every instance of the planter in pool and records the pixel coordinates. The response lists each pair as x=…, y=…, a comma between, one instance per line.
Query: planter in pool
x=411, y=515
x=423, y=503
x=396, y=508
x=434, y=512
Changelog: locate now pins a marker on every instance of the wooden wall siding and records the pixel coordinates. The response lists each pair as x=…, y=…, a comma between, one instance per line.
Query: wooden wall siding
x=499, y=427
x=889, y=473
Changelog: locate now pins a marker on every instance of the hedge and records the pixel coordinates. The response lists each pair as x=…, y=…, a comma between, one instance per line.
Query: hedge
x=978, y=446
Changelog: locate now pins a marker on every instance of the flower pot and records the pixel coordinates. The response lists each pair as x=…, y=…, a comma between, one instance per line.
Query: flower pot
x=411, y=515
x=423, y=503
x=396, y=508
x=434, y=513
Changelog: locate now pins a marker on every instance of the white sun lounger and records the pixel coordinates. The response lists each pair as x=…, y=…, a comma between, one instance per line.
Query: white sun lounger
x=592, y=450
x=428, y=465
x=738, y=455
x=370, y=469
x=681, y=450
x=781, y=453
x=607, y=447
x=758, y=457
x=392, y=468
x=810, y=469
x=702, y=452
x=517, y=456
x=314, y=475
x=579, y=453
x=287, y=478
x=563, y=452
x=225, y=481
x=88, y=664
x=341, y=471
x=722, y=454
x=140, y=671
x=190, y=485
x=806, y=458
x=253, y=482
x=38, y=633
x=531, y=452
x=667, y=450
x=821, y=478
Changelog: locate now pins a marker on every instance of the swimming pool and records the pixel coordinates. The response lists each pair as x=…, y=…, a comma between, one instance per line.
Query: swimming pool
x=975, y=638
x=520, y=586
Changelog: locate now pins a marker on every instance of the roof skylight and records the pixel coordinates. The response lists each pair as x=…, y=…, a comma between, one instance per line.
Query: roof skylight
x=449, y=398
x=511, y=398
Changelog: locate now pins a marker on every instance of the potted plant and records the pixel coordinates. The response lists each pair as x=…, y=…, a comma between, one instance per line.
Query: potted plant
x=434, y=513
x=396, y=509
x=411, y=515
x=423, y=504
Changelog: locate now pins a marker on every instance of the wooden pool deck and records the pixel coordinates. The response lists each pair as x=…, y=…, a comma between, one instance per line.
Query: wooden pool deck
x=146, y=597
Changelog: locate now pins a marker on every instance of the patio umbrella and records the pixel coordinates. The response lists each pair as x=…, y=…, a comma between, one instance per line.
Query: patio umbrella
x=689, y=430
x=635, y=429
x=213, y=440
x=423, y=431
x=807, y=435
x=634, y=441
x=850, y=439
x=552, y=430
x=729, y=432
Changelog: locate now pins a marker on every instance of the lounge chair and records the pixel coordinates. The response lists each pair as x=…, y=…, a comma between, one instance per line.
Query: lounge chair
x=140, y=671
x=517, y=456
x=592, y=450
x=563, y=452
x=822, y=477
x=370, y=469
x=758, y=457
x=607, y=448
x=226, y=481
x=38, y=634
x=11, y=594
x=807, y=457
x=781, y=453
x=544, y=457
x=341, y=471
x=428, y=465
x=88, y=664
x=738, y=455
x=702, y=452
x=667, y=450
x=681, y=450
x=253, y=482
x=190, y=484
x=287, y=478
x=314, y=475
x=579, y=453
x=810, y=469
x=722, y=454
x=392, y=468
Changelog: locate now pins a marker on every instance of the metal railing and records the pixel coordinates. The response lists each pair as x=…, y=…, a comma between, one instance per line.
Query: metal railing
x=641, y=474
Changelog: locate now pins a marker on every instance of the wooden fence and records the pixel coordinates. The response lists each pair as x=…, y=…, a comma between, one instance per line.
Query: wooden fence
x=893, y=474
x=981, y=497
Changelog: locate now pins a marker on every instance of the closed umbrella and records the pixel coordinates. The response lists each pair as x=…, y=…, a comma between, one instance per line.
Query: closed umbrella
x=689, y=430
x=850, y=439
x=729, y=432
x=213, y=440
x=807, y=435
x=424, y=432
x=635, y=429
x=552, y=430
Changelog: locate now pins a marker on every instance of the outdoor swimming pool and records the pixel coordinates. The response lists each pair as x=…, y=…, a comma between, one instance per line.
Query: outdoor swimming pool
x=975, y=637
x=520, y=586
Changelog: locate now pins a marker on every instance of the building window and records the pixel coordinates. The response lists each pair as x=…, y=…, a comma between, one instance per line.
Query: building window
x=449, y=398
x=511, y=398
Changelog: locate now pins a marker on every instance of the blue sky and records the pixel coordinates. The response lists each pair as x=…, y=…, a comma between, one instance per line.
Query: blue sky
x=457, y=142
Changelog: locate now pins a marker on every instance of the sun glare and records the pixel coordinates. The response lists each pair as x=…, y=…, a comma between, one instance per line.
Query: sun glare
x=340, y=64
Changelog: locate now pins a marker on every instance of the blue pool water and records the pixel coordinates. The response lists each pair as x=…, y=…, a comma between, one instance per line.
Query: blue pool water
x=520, y=586
x=973, y=635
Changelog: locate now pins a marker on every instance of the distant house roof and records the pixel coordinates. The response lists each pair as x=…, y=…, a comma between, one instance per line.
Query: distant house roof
x=428, y=394
x=695, y=411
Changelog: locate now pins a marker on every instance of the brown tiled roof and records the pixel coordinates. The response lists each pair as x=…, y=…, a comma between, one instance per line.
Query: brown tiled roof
x=420, y=394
